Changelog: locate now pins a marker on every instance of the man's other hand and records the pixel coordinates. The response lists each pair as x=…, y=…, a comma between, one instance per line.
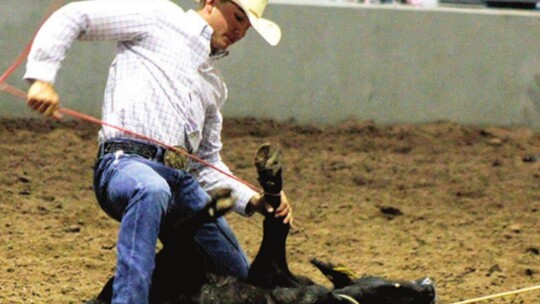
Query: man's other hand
x=259, y=204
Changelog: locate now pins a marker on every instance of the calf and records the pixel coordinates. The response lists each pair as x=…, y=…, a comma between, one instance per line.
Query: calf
x=188, y=281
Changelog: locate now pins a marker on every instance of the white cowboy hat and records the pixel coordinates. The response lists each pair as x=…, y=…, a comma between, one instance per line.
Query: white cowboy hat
x=254, y=9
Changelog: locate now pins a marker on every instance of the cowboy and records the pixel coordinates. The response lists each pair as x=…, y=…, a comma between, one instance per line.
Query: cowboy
x=163, y=84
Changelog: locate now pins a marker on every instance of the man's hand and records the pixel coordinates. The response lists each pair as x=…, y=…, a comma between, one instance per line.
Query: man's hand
x=42, y=97
x=259, y=204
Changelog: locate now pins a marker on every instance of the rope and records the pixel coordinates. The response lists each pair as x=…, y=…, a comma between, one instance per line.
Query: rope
x=12, y=90
x=22, y=56
x=20, y=94
x=500, y=295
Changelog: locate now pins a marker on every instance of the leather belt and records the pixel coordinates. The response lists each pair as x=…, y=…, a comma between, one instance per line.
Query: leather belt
x=156, y=153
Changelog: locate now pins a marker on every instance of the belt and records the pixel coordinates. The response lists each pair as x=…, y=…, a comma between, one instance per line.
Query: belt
x=149, y=151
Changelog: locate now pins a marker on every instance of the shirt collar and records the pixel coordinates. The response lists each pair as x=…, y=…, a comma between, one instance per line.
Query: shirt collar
x=205, y=31
x=219, y=54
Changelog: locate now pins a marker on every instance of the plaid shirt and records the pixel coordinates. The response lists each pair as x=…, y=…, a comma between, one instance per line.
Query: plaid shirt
x=163, y=82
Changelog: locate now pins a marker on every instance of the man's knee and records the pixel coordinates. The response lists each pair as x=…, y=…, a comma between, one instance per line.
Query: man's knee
x=154, y=193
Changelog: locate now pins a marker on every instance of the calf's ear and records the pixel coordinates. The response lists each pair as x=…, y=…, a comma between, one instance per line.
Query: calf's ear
x=339, y=275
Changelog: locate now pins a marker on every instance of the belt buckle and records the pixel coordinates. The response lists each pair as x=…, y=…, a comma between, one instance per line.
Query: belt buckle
x=175, y=159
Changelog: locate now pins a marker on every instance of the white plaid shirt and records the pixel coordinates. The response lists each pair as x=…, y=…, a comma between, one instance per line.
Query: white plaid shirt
x=162, y=83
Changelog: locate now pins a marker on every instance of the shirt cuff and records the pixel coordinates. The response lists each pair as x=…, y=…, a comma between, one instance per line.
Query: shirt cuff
x=241, y=197
x=44, y=71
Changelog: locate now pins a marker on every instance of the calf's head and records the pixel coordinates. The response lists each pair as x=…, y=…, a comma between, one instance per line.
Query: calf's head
x=376, y=290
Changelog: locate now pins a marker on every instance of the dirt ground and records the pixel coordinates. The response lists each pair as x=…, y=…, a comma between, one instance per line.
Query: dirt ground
x=460, y=204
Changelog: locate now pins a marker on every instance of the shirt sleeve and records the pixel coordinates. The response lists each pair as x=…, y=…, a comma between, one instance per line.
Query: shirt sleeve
x=115, y=20
x=208, y=177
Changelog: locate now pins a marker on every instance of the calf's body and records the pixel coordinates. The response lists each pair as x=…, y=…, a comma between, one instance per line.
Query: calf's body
x=187, y=280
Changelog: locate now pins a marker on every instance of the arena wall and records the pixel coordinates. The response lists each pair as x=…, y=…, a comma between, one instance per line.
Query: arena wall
x=337, y=61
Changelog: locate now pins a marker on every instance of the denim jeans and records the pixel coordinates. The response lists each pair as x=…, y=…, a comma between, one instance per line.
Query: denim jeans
x=141, y=193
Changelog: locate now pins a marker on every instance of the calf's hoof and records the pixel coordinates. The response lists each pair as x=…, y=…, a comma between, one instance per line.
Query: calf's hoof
x=220, y=204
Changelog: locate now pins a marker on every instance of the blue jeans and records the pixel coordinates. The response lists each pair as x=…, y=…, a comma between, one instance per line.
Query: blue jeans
x=141, y=194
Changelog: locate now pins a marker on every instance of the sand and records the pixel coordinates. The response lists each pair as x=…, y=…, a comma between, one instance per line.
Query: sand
x=460, y=204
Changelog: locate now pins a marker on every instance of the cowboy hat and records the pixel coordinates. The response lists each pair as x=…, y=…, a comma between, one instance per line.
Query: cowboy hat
x=254, y=9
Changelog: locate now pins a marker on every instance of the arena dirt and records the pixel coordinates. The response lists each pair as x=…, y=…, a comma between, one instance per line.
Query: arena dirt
x=460, y=204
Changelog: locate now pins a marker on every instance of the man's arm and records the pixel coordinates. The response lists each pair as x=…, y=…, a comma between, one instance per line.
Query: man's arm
x=209, y=178
x=248, y=201
x=118, y=20
x=89, y=20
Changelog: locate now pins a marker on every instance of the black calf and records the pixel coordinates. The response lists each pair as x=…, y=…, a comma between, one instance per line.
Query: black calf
x=187, y=280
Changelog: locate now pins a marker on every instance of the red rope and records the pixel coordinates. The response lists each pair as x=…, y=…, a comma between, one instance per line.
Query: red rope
x=20, y=94
x=22, y=56
x=12, y=90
